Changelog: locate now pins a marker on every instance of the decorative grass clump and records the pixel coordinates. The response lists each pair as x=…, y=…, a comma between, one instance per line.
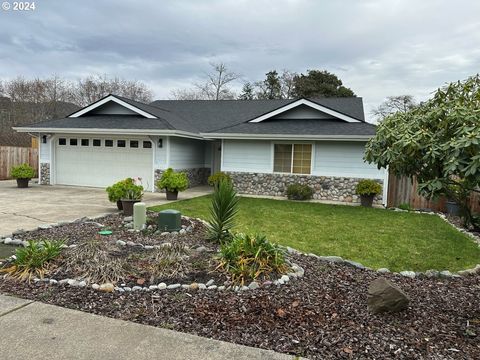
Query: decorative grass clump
x=34, y=260
x=93, y=261
x=248, y=258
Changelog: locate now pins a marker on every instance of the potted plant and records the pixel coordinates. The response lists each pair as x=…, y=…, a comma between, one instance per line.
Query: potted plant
x=173, y=182
x=367, y=189
x=117, y=191
x=133, y=194
x=23, y=173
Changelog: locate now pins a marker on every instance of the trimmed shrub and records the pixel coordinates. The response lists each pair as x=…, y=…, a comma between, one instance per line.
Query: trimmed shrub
x=214, y=179
x=23, y=171
x=223, y=211
x=368, y=187
x=248, y=258
x=173, y=181
x=299, y=192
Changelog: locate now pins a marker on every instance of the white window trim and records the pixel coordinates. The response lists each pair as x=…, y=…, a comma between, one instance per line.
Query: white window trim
x=308, y=103
x=312, y=158
x=116, y=100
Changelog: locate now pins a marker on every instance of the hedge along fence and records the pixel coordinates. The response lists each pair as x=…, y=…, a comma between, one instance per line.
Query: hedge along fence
x=403, y=190
x=15, y=155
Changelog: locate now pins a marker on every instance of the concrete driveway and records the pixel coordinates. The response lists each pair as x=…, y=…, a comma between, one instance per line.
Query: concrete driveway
x=40, y=204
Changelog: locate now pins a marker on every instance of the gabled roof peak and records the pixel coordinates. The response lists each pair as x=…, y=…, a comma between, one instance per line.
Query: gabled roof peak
x=126, y=103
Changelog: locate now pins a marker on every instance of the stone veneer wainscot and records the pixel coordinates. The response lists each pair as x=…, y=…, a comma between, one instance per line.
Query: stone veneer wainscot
x=196, y=176
x=44, y=174
x=325, y=187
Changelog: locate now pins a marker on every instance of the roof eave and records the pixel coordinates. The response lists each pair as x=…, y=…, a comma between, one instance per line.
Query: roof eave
x=242, y=136
x=100, y=131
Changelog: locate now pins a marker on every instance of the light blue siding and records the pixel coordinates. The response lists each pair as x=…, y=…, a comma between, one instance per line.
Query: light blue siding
x=160, y=153
x=208, y=154
x=45, y=149
x=186, y=153
x=247, y=156
x=344, y=159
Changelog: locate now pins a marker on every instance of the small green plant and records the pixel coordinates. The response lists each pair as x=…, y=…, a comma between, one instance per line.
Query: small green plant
x=173, y=181
x=33, y=260
x=23, y=171
x=405, y=206
x=214, y=179
x=133, y=192
x=248, y=258
x=223, y=211
x=368, y=187
x=299, y=192
x=118, y=190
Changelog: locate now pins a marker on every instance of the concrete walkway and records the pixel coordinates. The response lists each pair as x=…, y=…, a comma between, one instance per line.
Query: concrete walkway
x=40, y=204
x=32, y=330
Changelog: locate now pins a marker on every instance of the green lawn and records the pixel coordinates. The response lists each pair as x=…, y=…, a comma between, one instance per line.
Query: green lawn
x=374, y=237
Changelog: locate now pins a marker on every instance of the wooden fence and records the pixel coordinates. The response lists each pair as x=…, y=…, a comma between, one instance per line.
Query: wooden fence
x=404, y=191
x=14, y=155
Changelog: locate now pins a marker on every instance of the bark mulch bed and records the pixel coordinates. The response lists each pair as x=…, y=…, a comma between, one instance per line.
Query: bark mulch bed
x=323, y=315
x=320, y=316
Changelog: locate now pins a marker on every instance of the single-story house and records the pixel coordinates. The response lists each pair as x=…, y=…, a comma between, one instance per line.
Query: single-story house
x=263, y=144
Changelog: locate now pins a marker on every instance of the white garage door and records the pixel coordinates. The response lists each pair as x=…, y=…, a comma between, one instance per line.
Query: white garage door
x=100, y=162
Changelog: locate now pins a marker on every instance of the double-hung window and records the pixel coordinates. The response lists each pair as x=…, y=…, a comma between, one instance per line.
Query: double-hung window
x=292, y=158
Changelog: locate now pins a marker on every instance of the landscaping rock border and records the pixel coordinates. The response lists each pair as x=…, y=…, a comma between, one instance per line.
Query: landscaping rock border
x=296, y=270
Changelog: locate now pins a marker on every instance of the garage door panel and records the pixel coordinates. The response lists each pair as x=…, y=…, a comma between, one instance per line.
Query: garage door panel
x=102, y=166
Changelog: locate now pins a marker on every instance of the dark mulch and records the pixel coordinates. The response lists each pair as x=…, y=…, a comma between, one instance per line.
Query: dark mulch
x=324, y=315
x=74, y=233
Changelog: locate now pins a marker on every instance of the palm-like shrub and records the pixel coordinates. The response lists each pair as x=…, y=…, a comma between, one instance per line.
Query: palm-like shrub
x=248, y=258
x=223, y=211
x=33, y=260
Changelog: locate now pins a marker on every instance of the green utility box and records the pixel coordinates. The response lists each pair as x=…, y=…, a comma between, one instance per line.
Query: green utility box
x=169, y=220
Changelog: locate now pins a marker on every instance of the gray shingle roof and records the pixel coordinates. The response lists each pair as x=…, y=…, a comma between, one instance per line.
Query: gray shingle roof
x=208, y=115
x=106, y=122
x=301, y=127
x=227, y=116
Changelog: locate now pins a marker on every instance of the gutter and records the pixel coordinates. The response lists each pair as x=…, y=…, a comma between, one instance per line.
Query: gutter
x=285, y=137
x=147, y=132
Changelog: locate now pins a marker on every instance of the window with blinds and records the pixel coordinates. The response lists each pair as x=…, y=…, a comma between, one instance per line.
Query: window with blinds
x=292, y=158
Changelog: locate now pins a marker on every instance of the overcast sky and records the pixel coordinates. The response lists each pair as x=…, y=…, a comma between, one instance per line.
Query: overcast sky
x=378, y=48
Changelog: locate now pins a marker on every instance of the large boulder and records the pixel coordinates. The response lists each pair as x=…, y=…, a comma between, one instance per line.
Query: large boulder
x=383, y=296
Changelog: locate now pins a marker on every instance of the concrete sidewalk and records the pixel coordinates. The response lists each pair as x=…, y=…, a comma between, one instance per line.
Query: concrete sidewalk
x=32, y=330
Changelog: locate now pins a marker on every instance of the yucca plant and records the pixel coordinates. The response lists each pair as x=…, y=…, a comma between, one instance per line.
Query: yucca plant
x=34, y=259
x=223, y=211
x=250, y=257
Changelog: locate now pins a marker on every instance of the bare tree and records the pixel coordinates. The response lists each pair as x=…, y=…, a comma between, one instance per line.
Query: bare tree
x=188, y=94
x=215, y=87
x=26, y=101
x=95, y=87
x=287, y=81
x=394, y=104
